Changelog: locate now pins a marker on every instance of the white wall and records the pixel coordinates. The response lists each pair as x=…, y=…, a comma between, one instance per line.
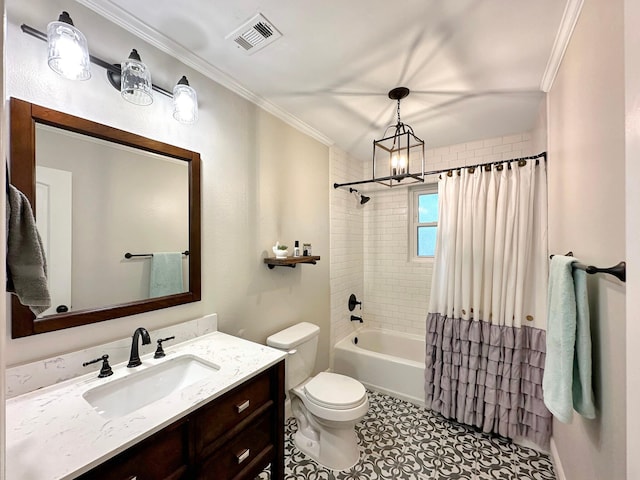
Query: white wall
x=632, y=173
x=586, y=172
x=262, y=181
x=397, y=290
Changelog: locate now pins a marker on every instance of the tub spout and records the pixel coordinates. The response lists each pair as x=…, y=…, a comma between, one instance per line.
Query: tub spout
x=355, y=318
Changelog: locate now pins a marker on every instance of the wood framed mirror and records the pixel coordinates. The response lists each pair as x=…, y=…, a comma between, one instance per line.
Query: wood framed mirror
x=139, y=211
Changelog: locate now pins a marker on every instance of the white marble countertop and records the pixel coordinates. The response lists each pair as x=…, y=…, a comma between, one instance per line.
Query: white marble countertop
x=53, y=433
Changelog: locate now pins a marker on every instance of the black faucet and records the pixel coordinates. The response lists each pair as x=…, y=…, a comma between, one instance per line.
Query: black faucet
x=134, y=358
x=355, y=318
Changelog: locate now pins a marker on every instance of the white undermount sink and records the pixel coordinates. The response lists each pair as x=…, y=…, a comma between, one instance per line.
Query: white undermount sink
x=125, y=395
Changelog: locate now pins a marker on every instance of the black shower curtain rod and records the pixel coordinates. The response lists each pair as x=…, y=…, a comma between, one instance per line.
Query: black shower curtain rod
x=436, y=172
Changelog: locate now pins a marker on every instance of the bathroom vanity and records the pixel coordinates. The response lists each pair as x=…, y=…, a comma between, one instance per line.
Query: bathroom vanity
x=228, y=424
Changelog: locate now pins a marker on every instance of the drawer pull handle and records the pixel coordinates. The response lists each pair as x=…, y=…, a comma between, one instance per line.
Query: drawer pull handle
x=243, y=406
x=242, y=456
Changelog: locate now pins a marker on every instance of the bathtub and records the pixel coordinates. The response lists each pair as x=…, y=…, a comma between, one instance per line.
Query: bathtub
x=384, y=360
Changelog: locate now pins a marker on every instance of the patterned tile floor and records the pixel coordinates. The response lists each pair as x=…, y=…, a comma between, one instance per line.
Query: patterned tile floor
x=399, y=440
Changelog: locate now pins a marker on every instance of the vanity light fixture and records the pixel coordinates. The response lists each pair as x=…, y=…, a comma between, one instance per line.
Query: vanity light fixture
x=185, y=102
x=68, y=54
x=135, y=80
x=400, y=152
x=70, y=57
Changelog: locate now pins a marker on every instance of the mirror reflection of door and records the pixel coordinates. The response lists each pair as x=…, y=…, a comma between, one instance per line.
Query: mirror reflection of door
x=124, y=200
x=53, y=220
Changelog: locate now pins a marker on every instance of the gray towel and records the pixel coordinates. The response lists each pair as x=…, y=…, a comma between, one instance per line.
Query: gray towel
x=26, y=263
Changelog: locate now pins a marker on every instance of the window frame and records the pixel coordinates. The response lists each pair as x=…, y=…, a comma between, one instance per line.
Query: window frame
x=414, y=194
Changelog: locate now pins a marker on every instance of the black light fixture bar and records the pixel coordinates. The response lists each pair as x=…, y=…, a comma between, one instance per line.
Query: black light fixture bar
x=399, y=178
x=110, y=67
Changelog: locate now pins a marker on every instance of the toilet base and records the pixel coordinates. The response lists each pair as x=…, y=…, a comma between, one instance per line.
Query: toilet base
x=334, y=448
x=335, y=455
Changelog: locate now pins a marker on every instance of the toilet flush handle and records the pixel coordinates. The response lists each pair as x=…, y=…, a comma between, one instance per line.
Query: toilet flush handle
x=293, y=351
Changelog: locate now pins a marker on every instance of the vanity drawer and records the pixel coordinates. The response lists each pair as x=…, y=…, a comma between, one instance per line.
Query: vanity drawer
x=163, y=456
x=214, y=421
x=250, y=449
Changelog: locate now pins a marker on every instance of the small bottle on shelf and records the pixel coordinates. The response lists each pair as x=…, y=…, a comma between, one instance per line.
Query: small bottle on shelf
x=296, y=249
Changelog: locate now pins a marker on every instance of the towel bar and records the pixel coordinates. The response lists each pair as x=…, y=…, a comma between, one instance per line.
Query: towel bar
x=619, y=271
x=131, y=255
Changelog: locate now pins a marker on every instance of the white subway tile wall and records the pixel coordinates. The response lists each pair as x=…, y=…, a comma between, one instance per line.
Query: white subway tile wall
x=369, y=244
x=346, y=244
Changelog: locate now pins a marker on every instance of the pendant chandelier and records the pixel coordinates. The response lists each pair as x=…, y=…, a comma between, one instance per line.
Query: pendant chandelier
x=398, y=159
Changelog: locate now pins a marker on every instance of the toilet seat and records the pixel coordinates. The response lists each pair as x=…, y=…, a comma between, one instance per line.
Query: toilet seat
x=335, y=391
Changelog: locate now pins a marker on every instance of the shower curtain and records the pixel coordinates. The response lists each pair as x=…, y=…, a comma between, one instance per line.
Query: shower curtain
x=487, y=314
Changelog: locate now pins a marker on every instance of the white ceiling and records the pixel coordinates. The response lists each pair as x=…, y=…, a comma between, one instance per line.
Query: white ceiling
x=474, y=66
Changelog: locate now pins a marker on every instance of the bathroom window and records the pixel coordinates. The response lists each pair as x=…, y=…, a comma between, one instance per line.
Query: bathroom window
x=424, y=215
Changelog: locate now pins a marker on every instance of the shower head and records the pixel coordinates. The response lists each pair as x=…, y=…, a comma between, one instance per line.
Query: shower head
x=363, y=198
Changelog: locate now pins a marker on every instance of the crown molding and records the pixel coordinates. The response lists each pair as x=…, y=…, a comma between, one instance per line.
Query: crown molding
x=133, y=25
x=567, y=24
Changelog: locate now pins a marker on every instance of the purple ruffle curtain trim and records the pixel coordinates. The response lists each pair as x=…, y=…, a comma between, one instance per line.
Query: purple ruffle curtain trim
x=488, y=376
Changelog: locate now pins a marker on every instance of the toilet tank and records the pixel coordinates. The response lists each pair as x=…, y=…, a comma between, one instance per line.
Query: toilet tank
x=301, y=341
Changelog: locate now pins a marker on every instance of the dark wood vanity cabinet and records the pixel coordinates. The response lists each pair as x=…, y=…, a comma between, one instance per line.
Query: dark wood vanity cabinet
x=234, y=437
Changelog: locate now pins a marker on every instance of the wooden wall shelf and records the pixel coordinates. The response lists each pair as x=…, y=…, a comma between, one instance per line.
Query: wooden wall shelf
x=290, y=261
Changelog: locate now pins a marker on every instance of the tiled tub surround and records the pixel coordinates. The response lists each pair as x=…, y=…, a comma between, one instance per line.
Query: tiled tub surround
x=31, y=376
x=53, y=433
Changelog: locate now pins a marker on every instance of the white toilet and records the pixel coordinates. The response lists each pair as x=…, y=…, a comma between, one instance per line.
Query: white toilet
x=327, y=406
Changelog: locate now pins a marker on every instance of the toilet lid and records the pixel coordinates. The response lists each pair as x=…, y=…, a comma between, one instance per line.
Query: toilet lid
x=332, y=390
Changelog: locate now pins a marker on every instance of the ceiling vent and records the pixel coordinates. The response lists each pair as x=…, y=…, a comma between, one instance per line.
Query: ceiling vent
x=254, y=34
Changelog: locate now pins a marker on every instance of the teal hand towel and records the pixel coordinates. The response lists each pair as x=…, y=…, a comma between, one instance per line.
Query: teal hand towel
x=561, y=338
x=583, y=402
x=166, y=274
x=567, y=371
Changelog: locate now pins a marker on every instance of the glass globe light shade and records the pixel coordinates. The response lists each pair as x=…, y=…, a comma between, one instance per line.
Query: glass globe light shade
x=68, y=54
x=185, y=102
x=135, y=81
